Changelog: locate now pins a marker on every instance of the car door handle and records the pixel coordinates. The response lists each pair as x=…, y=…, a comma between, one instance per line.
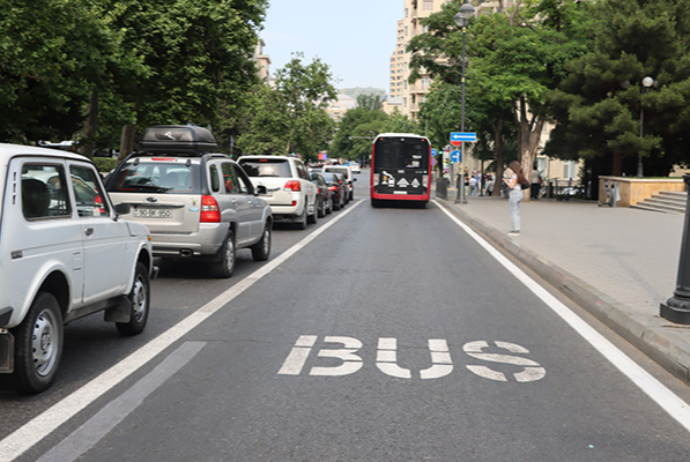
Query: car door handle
x=88, y=231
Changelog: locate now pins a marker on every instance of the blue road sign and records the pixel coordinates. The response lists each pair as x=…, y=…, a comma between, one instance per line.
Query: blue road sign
x=455, y=156
x=434, y=152
x=459, y=136
x=434, y=162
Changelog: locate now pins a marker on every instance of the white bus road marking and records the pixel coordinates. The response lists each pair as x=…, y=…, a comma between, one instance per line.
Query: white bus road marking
x=387, y=359
x=19, y=441
x=669, y=401
x=86, y=436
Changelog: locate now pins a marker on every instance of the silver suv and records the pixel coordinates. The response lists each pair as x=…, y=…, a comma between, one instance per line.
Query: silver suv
x=197, y=204
x=66, y=253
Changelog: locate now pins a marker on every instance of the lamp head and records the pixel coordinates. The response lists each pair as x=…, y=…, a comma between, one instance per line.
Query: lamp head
x=465, y=13
x=647, y=82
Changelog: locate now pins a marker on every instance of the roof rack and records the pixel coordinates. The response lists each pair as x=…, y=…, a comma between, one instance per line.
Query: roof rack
x=178, y=139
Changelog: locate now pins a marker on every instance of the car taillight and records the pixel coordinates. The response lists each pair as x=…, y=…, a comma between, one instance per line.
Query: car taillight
x=292, y=185
x=99, y=205
x=332, y=188
x=210, y=212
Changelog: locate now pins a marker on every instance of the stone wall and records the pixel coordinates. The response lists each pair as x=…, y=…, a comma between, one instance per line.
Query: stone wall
x=633, y=190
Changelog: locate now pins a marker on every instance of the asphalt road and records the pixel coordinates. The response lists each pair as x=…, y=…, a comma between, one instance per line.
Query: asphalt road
x=391, y=336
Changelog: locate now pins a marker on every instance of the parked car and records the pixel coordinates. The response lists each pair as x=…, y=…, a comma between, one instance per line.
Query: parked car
x=325, y=200
x=336, y=185
x=66, y=254
x=197, y=204
x=355, y=168
x=345, y=171
x=289, y=190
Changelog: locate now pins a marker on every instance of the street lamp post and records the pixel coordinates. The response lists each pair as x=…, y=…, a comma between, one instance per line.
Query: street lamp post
x=460, y=19
x=647, y=82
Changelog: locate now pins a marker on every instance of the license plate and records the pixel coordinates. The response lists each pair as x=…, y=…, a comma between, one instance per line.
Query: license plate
x=152, y=213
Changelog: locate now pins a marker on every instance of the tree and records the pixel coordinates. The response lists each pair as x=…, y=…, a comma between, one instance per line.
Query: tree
x=356, y=132
x=52, y=54
x=199, y=54
x=290, y=117
x=371, y=102
x=516, y=55
x=598, y=105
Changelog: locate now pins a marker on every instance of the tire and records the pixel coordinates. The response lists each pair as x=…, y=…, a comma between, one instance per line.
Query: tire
x=38, y=345
x=330, y=206
x=311, y=219
x=352, y=196
x=337, y=206
x=226, y=265
x=375, y=203
x=302, y=222
x=140, y=296
x=262, y=249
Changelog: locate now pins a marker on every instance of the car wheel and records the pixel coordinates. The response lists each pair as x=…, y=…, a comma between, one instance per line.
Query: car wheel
x=375, y=203
x=38, y=345
x=301, y=222
x=262, y=249
x=336, y=205
x=322, y=208
x=311, y=219
x=140, y=297
x=352, y=196
x=330, y=205
x=226, y=266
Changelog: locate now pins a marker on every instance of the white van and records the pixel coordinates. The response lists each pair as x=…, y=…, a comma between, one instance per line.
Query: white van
x=345, y=171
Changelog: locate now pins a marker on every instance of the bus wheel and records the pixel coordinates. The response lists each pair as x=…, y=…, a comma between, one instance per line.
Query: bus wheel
x=375, y=203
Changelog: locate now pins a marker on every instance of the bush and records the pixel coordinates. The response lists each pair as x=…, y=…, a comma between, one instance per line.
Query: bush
x=104, y=164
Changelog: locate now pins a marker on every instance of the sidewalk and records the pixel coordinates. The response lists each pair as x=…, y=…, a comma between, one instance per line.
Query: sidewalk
x=618, y=263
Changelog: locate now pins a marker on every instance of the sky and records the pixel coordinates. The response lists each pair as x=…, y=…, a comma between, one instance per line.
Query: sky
x=355, y=38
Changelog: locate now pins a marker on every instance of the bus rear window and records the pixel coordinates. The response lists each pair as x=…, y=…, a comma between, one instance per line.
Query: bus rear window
x=398, y=154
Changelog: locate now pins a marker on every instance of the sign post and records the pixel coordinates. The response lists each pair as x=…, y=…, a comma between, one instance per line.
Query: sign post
x=456, y=139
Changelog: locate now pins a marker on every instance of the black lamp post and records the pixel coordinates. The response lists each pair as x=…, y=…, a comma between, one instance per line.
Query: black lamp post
x=465, y=13
x=677, y=308
x=647, y=82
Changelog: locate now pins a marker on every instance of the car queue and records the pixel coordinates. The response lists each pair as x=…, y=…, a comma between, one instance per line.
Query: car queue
x=175, y=199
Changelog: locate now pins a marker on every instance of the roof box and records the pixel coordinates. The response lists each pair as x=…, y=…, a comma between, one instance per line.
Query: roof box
x=178, y=139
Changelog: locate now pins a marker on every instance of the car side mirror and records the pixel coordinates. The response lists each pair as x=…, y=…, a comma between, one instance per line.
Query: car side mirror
x=261, y=189
x=123, y=209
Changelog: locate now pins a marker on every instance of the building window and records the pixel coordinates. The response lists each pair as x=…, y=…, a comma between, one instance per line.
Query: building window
x=428, y=5
x=404, y=102
x=407, y=12
x=405, y=31
x=569, y=169
x=426, y=82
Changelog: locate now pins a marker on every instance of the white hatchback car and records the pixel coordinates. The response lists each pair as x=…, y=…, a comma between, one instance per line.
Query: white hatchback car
x=66, y=254
x=289, y=189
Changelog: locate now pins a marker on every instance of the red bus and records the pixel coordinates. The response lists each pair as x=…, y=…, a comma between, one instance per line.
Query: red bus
x=400, y=169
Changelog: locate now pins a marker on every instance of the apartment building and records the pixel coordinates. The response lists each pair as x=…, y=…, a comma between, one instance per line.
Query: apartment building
x=263, y=62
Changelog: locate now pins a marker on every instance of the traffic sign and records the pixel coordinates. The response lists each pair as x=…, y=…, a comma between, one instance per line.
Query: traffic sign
x=434, y=152
x=456, y=138
x=434, y=162
x=455, y=156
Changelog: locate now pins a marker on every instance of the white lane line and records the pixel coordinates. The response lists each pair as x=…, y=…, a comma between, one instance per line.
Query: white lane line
x=669, y=401
x=89, y=434
x=42, y=425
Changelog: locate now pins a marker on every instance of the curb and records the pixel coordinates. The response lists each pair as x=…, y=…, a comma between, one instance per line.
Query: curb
x=651, y=335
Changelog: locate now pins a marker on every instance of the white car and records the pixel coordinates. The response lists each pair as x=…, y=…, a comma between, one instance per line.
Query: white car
x=66, y=254
x=288, y=187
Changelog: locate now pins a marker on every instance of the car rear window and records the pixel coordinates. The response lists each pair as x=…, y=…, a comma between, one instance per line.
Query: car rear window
x=341, y=170
x=158, y=177
x=279, y=168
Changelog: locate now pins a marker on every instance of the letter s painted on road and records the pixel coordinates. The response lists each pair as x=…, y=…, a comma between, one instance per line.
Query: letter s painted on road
x=531, y=372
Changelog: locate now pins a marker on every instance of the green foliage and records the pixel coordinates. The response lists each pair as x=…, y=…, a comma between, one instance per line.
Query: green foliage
x=371, y=102
x=104, y=164
x=356, y=131
x=598, y=105
x=290, y=117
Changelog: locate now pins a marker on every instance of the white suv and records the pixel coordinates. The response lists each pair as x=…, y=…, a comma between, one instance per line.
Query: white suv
x=65, y=254
x=289, y=189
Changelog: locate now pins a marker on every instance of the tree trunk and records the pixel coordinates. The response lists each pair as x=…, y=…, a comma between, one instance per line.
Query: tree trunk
x=127, y=141
x=617, y=164
x=529, y=135
x=90, y=126
x=500, y=158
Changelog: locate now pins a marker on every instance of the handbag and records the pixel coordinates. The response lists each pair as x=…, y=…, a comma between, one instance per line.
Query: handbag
x=525, y=185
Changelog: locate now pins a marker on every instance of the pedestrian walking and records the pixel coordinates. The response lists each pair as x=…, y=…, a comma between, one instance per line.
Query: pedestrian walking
x=536, y=183
x=514, y=185
x=473, y=185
